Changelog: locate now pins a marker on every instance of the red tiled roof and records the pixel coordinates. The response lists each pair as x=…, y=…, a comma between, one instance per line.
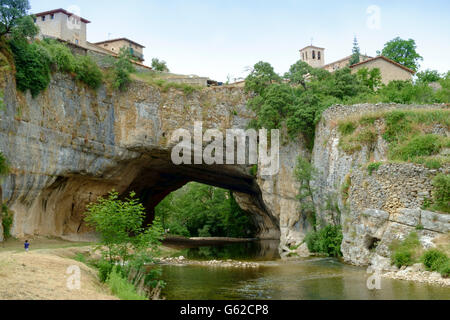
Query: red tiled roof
x=40, y=14
x=386, y=59
x=119, y=39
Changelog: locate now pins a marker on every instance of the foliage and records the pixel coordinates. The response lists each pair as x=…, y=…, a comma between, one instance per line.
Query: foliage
x=120, y=225
x=260, y=78
x=405, y=253
x=326, y=241
x=61, y=57
x=403, y=52
x=441, y=193
x=159, y=65
x=346, y=127
x=374, y=167
x=202, y=210
x=370, y=78
x=11, y=11
x=120, y=286
x=7, y=220
x=428, y=76
x=32, y=63
x=25, y=28
x=418, y=146
x=123, y=66
x=88, y=72
x=356, y=53
x=304, y=174
x=4, y=167
x=436, y=260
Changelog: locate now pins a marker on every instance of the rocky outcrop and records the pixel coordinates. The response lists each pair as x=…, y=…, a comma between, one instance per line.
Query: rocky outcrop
x=378, y=207
x=70, y=145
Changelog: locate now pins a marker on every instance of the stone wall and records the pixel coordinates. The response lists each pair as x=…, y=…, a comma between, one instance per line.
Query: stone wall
x=372, y=207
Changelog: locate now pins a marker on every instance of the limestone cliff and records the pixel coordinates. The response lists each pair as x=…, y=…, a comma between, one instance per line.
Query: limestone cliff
x=374, y=208
x=70, y=145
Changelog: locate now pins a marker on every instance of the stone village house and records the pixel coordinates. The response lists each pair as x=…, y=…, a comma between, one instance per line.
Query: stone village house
x=68, y=27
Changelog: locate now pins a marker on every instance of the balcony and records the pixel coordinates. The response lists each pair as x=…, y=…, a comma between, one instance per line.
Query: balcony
x=136, y=54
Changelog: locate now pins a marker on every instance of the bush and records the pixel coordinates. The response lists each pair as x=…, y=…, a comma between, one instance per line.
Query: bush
x=444, y=269
x=62, y=58
x=346, y=128
x=123, y=67
x=374, y=167
x=104, y=269
x=7, y=221
x=405, y=252
x=326, y=241
x=402, y=258
x=419, y=146
x=120, y=286
x=32, y=63
x=435, y=260
x=88, y=72
x=441, y=194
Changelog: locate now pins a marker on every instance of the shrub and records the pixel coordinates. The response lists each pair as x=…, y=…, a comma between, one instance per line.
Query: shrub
x=441, y=194
x=435, y=260
x=61, y=57
x=374, y=167
x=32, y=63
x=120, y=286
x=402, y=258
x=123, y=67
x=7, y=221
x=326, y=241
x=419, y=146
x=404, y=253
x=444, y=269
x=88, y=72
x=346, y=128
x=104, y=269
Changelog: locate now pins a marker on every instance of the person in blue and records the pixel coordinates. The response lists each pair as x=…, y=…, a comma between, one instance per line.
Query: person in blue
x=27, y=245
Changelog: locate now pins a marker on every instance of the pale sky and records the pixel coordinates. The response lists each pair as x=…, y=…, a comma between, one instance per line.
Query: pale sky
x=221, y=38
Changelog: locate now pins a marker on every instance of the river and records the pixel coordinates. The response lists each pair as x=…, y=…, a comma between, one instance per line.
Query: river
x=295, y=279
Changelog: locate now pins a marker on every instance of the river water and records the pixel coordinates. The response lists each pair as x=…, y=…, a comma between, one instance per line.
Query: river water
x=296, y=279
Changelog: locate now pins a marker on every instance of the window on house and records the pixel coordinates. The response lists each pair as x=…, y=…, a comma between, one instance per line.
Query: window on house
x=306, y=55
x=35, y=20
x=43, y=18
x=319, y=55
x=76, y=41
x=314, y=54
x=52, y=16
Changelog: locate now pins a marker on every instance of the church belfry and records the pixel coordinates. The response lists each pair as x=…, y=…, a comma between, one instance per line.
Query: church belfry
x=314, y=56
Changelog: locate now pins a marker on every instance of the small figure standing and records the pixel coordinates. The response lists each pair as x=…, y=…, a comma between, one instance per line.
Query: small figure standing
x=27, y=246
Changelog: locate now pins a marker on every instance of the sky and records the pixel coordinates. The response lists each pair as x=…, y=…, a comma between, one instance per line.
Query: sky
x=222, y=39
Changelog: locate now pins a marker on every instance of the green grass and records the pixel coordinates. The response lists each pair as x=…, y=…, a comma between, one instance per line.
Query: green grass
x=163, y=82
x=406, y=131
x=374, y=167
x=121, y=288
x=406, y=252
x=436, y=260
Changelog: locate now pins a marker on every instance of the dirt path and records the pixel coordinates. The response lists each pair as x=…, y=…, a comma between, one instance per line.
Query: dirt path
x=41, y=274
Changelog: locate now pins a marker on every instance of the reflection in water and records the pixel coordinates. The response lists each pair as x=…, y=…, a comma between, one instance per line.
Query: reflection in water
x=308, y=279
x=256, y=251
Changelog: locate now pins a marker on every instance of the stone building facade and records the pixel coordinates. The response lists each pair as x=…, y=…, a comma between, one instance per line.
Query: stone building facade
x=390, y=70
x=136, y=49
x=63, y=25
x=314, y=56
x=345, y=62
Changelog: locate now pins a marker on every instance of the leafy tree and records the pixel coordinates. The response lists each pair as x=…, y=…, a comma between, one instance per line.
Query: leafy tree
x=304, y=174
x=356, y=53
x=11, y=12
x=260, y=78
x=370, y=78
x=428, y=76
x=403, y=52
x=123, y=66
x=298, y=72
x=159, y=65
x=88, y=72
x=120, y=225
x=202, y=210
x=61, y=57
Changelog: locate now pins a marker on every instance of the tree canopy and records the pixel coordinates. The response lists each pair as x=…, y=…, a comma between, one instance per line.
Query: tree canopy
x=403, y=52
x=159, y=65
x=11, y=13
x=356, y=53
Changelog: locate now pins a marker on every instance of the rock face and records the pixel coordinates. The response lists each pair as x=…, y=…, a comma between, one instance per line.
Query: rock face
x=374, y=208
x=70, y=145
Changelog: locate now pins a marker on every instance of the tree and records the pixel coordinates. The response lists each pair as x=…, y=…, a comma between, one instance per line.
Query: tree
x=298, y=72
x=11, y=12
x=261, y=77
x=120, y=225
x=159, y=65
x=428, y=76
x=403, y=52
x=305, y=173
x=370, y=78
x=123, y=66
x=356, y=56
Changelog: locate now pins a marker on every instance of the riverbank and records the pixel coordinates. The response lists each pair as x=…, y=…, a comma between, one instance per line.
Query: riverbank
x=182, y=261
